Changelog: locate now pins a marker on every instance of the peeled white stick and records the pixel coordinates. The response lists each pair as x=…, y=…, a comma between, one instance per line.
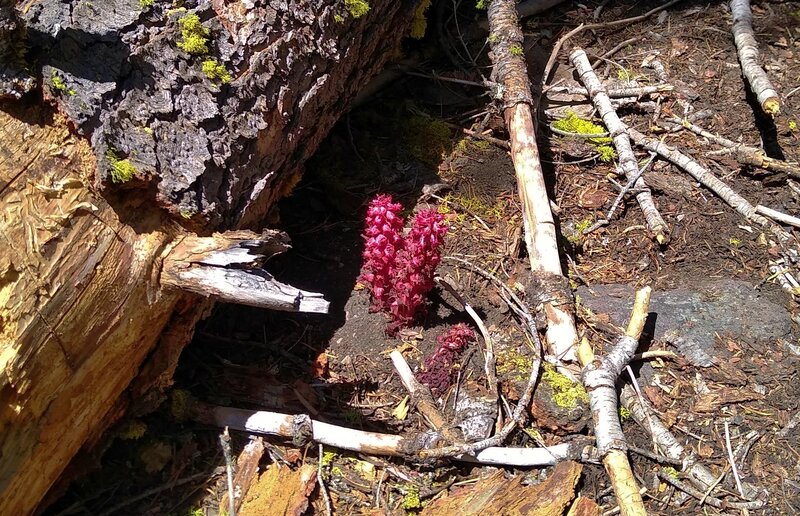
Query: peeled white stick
x=747, y=48
x=622, y=142
x=510, y=70
x=301, y=429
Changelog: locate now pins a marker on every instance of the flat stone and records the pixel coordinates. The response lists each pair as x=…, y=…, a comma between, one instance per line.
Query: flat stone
x=690, y=319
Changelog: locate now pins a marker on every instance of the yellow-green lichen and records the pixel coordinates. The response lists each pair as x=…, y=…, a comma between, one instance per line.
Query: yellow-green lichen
x=420, y=22
x=327, y=458
x=146, y=3
x=216, y=71
x=338, y=18
x=411, y=501
x=356, y=8
x=122, y=170
x=792, y=125
x=672, y=472
x=516, y=50
x=59, y=84
x=624, y=414
x=574, y=124
x=132, y=431
x=735, y=242
x=482, y=4
x=512, y=363
x=566, y=393
x=493, y=37
x=194, y=36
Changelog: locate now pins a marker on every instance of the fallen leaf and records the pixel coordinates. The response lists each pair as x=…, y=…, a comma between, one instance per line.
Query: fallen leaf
x=400, y=412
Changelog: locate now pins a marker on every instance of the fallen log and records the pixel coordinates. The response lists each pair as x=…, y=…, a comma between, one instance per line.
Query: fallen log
x=172, y=126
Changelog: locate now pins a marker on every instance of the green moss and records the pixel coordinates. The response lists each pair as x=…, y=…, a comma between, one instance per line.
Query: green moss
x=583, y=225
x=122, y=170
x=482, y=4
x=132, y=431
x=338, y=18
x=194, y=36
x=327, y=458
x=411, y=501
x=420, y=22
x=516, y=50
x=146, y=3
x=427, y=138
x=566, y=393
x=357, y=8
x=216, y=71
x=624, y=414
x=179, y=406
x=574, y=124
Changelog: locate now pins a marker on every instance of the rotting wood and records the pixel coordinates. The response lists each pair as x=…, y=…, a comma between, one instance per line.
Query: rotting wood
x=747, y=49
x=600, y=378
x=246, y=471
x=227, y=267
x=627, y=160
x=302, y=429
x=80, y=270
x=510, y=70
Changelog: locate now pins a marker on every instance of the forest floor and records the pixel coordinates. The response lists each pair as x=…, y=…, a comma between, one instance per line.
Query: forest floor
x=711, y=282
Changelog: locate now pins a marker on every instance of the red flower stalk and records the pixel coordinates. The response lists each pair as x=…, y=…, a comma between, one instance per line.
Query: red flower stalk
x=439, y=366
x=415, y=265
x=383, y=235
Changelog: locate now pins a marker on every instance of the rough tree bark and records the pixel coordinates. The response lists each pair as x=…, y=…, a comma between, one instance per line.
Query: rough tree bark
x=164, y=128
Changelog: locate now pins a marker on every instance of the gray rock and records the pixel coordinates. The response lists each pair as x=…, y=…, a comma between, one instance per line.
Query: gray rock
x=691, y=318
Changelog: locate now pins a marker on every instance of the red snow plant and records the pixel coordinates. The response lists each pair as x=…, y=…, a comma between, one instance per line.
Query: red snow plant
x=440, y=365
x=399, y=271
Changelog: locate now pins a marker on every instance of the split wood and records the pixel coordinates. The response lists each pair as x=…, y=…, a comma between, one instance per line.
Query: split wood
x=600, y=378
x=510, y=70
x=747, y=49
x=246, y=472
x=628, y=165
x=302, y=429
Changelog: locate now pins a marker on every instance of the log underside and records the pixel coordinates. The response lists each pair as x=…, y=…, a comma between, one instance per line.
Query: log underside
x=87, y=330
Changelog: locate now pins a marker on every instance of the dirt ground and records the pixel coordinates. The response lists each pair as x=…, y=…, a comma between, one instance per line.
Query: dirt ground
x=336, y=367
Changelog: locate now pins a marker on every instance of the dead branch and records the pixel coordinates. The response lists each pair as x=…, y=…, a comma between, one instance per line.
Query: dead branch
x=747, y=48
x=714, y=502
x=227, y=266
x=510, y=70
x=627, y=160
x=744, y=154
x=422, y=398
x=246, y=471
x=616, y=93
x=302, y=429
x=600, y=378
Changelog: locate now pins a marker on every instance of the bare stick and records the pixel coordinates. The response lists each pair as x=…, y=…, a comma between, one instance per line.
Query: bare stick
x=714, y=502
x=627, y=160
x=630, y=184
x=510, y=70
x=615, y=93
x=321, y=482
x=301, y=429
x=732, y=459
x=747, y=48
x=778, y=216
x=744, y=154
x=422, y=397
x=225, y=442
x=600, y=378
x=700, y=173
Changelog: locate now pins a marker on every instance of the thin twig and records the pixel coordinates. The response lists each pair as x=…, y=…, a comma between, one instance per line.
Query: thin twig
x=321, y=482
x=710, y=500
x=225, y=442
x=732, y=459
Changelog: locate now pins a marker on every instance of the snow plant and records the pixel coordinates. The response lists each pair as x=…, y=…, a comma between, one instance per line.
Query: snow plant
x=439, y=366
x=399, y=270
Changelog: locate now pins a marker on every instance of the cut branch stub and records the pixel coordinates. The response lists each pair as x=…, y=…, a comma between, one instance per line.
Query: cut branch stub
x=227, y=266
